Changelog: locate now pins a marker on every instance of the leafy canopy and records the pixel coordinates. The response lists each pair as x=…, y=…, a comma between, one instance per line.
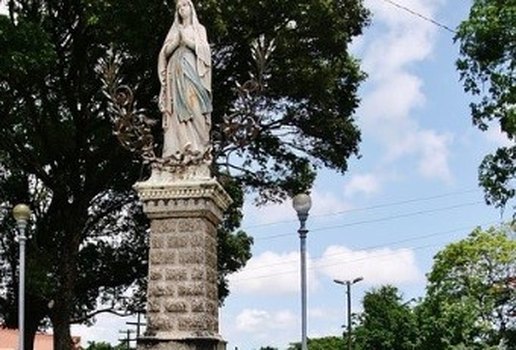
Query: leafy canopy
x=471, y=295
x=386, y=322
x=323, y=343
x=487, y=67
x=470, y=303
x=58, y=154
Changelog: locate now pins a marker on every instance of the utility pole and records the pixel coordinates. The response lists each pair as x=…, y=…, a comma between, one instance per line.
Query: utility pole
x=127, y=338
x=138, y=323
x=348, y=287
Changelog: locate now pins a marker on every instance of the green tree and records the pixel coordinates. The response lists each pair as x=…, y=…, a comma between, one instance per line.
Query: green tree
x=324, y=343
x=387, y=322
x=58, y=154
x=99, y=346
x=471, y=293
x=486, y=65
x=93, y=345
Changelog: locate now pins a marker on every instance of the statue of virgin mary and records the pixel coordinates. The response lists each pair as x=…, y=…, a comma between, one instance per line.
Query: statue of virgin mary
x=185, y=99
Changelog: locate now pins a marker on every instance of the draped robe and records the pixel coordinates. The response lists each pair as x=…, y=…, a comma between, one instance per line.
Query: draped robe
x=185, y=97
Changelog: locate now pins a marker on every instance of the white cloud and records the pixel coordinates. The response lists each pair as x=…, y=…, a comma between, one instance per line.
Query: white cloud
x=267, y=214
x=362, y=183
x=324, y=313
x=387, y=12
x=284, y=319
x=278, y=328
x=322, y=203
x=395, y=92
x=397, y=50
x=404, y=40
x=327, y=202
x=275, y=328
x=431, y=149
x=497, y=137
x=379, y=266
x=261, y=321
x=272, y=269
x=282, y=270
x=250, y=320
x=434, y=155
x=390, y=103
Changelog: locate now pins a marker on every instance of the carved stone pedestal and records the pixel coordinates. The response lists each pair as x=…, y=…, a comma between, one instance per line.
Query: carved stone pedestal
x=182, y=305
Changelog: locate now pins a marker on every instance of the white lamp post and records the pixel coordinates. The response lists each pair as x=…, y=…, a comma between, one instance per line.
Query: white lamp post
x=302, y=204
x=348, y=285
x=21, y=214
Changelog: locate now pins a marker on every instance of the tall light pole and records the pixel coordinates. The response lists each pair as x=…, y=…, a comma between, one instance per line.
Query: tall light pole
x=21, y=214
x=348, y=290
x=302, y=204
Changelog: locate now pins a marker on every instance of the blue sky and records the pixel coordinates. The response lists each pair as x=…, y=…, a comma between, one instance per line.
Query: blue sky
x=413, y=191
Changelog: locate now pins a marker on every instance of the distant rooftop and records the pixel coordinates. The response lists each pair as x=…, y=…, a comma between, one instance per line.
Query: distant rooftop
x=43, y=341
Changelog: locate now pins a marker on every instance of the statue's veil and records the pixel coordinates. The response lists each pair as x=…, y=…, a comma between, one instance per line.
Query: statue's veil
x=202, y=48
x=202, y=53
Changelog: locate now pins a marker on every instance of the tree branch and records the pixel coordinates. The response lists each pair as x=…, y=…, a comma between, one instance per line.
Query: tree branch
x=94, y=220
x=97, y=312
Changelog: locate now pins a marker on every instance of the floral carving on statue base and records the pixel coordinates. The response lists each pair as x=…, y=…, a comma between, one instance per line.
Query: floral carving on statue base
x=163, y=173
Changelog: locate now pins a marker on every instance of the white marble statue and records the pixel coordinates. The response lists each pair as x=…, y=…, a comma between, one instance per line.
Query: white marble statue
x=185, y=99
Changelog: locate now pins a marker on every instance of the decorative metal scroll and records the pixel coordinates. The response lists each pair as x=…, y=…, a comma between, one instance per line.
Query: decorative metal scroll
x=243, y=124
x=133, y=128
x=131, y=125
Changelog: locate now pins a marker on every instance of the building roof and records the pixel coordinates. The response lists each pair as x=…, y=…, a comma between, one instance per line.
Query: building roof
x=42, y=341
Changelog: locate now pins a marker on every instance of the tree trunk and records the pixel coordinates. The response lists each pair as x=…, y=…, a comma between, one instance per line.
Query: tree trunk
x=62, y=335
x=64, y=301
x=31, y=327
x=62, y=312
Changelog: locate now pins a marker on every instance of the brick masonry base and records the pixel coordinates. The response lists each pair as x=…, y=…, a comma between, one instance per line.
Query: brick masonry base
x=182, y=300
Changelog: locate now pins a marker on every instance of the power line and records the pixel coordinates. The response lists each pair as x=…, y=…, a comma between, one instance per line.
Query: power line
x=384, y=245
x=417, y=14
x=333, y=264
x=372, y=207
x=386, y=218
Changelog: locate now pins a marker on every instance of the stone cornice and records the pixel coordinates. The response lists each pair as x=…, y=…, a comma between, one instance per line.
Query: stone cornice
x=184, y=199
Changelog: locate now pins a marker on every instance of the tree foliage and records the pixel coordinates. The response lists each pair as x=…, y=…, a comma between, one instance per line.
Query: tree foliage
x=324, y=343
x=487, y=66
x=471, y=295
x=57, y=152
x=104, y=346
x=386, y=322
x=470, y=303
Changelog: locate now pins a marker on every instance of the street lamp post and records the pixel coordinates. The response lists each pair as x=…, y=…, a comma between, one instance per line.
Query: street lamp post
x=348, y=290
x=302, y=204
x=21, y=214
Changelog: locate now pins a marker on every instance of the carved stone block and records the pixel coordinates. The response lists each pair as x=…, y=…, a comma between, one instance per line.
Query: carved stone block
x=182, y=288
x=176, y=306
x=176, y=274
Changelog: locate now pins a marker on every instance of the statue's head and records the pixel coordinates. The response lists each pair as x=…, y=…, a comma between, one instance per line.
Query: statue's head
x=184, y=11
